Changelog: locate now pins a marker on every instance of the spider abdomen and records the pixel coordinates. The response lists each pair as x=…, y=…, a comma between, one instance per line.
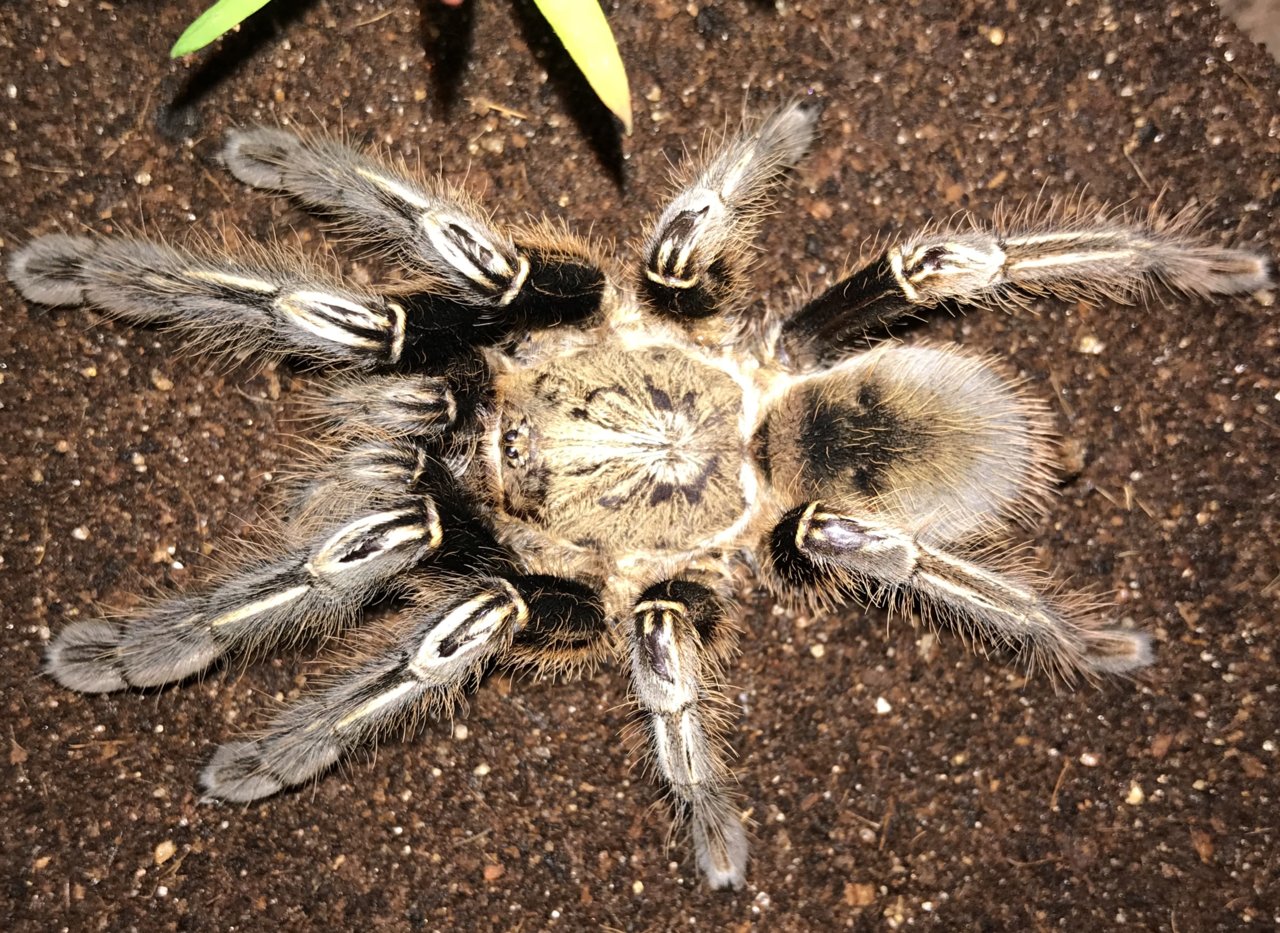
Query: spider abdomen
x=931, y=437
x=622, y=449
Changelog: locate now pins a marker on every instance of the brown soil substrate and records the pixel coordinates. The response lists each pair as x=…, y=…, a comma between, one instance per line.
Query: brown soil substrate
x=978, y=800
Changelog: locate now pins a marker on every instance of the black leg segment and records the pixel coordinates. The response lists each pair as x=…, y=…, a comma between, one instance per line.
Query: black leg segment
x=855, y=311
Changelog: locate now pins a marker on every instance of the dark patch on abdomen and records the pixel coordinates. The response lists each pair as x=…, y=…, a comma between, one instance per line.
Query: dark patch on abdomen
x=659, y=397
x=856, y=444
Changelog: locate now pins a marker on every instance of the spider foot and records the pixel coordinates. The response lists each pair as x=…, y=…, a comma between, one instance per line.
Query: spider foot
x=720, y=843
x=238, y=772
x=84, y=658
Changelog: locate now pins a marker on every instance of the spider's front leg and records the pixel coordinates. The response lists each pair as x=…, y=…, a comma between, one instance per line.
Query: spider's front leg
x=442, y=645
x=476, y=276
x=829, y=556
x=266, y=303
x=1096, y=259
x=695, y=262
x=679, y=636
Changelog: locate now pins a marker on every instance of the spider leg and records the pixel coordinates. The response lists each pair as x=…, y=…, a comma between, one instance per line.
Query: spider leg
x=475, y=274
x=1103, y=260
x=313, y=588
x=394, y=406
x=695, y=260
x=364, y=469
x=365, y=516
x=567, y=634
x=827, y=557
x=678, y=638
x=269, y=303
x=444, y=644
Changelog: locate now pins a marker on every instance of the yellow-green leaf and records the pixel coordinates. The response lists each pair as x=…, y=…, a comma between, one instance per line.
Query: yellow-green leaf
x=585, y=32
x=220, y=18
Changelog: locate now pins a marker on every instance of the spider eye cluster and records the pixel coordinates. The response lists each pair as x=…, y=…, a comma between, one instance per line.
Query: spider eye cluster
x=515, y=443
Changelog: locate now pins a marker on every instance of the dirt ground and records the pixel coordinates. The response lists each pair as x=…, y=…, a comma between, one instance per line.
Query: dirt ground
x=893, y=779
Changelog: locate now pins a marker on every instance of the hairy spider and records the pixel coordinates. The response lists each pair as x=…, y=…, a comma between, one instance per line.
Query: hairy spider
x=549, y=464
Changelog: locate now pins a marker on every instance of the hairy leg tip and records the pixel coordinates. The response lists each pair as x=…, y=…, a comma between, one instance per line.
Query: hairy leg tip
x=722, y=852
x=235, y=774
x=48, y=270
x=84, y=657
x=257, y=157
x=1119, y=651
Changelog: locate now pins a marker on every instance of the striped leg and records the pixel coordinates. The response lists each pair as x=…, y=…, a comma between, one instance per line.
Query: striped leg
x=829, y=557
x=679, y=637
x=269, y=303
x=446, y=640
x=315, y=588
x=697, y=256
x=1097, y=259
x=475, y=274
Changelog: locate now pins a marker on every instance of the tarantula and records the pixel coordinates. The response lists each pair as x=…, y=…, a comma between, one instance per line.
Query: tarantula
x=545, y=464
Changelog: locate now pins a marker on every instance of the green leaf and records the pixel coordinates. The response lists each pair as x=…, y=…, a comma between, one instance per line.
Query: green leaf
x=220, y=18
x=581, y=26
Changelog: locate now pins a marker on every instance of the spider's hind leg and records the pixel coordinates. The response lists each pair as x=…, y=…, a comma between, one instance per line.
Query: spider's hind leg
x=825, y=556
x=696, y=259
x=679, y=636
